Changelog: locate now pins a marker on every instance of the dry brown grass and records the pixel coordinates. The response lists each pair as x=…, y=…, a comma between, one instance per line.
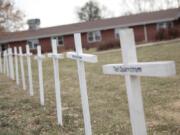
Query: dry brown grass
x=21, y=114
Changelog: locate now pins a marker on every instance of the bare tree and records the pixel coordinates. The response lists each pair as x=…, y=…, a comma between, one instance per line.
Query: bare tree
x=90, y=11
x=138, y=6
x=10, y=17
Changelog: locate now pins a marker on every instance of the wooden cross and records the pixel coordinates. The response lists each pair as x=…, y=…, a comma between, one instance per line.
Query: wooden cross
x=55, y=56
x=132, y=69
x=6, y=63
x=39, y=59
x=81, y=58
x=16, y=65
x=11, y=65
x=22, y=68
x=28, y=55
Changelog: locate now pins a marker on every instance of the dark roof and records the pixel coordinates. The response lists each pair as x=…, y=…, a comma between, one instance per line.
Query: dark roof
x=123, y=21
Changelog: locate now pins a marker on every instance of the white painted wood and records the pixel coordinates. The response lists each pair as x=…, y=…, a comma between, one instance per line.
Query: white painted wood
x=11, y=64
x=1, y=67
x=133, y=84
x=4, y=62
x=131, y=69
x=55, y=56
x=7, y=63
x=155, y=69
x=22, y=68
x=39, y=59
x=81, y=58
x=16, y=65
x=28, y=55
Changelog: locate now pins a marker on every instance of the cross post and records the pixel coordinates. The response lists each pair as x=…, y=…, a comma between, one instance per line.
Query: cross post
x=6, y=63
x=39, y=59
x=132, y=70
x=28, y=55
x=81, y=58
x=16, y=65
x=22, y=68
x=11, y=65
x=55, y=56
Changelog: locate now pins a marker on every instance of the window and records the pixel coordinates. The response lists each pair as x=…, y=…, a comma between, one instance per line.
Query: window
x=117, y=32
x=33, y=43
x=94, y=36
x=60, y=40
x=164, y=25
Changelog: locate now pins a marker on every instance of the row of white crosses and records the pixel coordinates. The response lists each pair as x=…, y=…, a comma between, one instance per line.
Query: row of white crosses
x=130, y=68
x=8, y=68
x=78, y=55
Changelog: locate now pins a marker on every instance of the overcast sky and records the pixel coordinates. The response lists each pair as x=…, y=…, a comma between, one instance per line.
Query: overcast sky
x=58, y=12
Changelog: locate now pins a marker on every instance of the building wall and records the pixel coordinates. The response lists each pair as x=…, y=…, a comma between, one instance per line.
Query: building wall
x=151, y=32
x=139, y=33
x=107, y=35
x=17, y=44
x=177, y=26
x=45, y=45
x=69, y=42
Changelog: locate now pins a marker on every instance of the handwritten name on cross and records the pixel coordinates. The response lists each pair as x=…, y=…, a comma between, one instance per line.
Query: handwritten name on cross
x=28, y=55
x=131, y=69
x=21, y=55
x=39, y=59
x=81, y=58
x=11, y=65
x=55, y=56
x=16, y=65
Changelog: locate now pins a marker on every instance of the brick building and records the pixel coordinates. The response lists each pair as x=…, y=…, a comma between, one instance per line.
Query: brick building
x=148, y=27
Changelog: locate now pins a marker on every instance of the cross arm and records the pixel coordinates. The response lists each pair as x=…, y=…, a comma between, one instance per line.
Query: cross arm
x=154, y=69
x=83, y=57
x=39, y=57
x=56, y=56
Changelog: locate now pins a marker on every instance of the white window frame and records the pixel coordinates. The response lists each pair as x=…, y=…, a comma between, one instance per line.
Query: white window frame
x=94, y=38
x=34, y=43
x=57, y=38
x=164, y=25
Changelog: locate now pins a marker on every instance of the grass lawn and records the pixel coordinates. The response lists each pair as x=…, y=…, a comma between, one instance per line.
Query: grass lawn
x=21, y=114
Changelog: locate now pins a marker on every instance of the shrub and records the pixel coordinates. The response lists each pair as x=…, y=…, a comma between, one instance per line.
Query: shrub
x=161, y=34
x=108, y=45
x=173, y=33
x=170, y=33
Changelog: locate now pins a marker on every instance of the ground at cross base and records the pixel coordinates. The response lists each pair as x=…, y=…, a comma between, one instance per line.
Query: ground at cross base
x=21, y=114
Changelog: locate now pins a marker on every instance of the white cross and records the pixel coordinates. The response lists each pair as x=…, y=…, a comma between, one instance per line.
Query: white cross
x=132, y=69
x=55, y=56
x=6, y=63
x=16, y=65
x=22, y=68
x=1, y=68
x=28, y=55
x=81, y=58
x=11, y=65
x=39, y=59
